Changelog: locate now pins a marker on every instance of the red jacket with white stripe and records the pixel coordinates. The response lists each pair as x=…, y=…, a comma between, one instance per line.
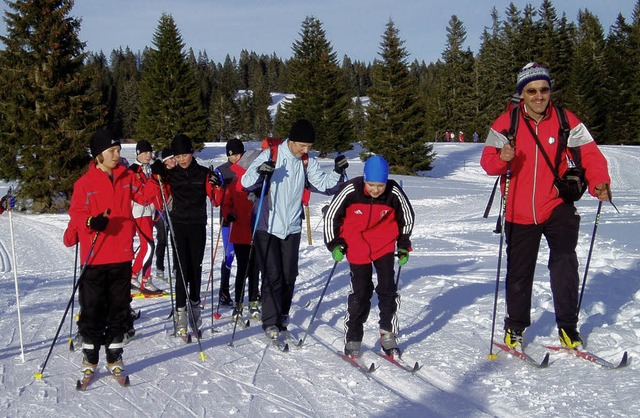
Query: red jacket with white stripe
x=93, y=194
x=368, y=227
x=532, y=197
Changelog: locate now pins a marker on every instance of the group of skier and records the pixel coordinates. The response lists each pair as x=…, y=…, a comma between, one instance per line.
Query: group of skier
x=369, y=221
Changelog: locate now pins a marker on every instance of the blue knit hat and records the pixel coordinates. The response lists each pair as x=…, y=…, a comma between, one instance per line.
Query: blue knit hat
x=376, y=169
x=532, y=72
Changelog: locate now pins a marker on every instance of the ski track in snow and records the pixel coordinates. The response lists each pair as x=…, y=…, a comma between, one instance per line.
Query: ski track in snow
x=447, y=292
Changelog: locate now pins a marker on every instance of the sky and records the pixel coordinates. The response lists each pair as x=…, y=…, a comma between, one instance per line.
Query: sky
x=353, y=27
x=447, y=291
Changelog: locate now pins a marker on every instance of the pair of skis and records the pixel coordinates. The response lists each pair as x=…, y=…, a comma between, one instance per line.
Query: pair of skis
x=368, y=368
x=586, y=355
x=89, y=376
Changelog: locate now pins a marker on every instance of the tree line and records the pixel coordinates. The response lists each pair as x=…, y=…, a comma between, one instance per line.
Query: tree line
x=54, y=94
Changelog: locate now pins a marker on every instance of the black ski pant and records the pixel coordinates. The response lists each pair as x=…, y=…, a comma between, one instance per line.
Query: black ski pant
x=523, y=243
x=161, y=243
x=191, y=240
x=278, y=260
x=359, y=300
x=104, y=295
x=246, y=271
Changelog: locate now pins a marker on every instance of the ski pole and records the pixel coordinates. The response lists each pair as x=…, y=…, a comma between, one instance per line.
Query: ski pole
x=253, y=234
x=502, y=216
x=184, y=282
x=315, y=311
x=586, y=267
x=217, y=315
x=75, y=271
x=204, y=302
x=15, y=279
x=73, y=295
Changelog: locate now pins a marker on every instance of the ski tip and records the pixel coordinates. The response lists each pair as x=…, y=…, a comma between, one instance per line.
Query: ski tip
x=300, y=342
x=127, y=382
x=38, y=376
x=417, y=366
x=372, y=368
x=285, y=348
x=623, y=361
x=545, y=361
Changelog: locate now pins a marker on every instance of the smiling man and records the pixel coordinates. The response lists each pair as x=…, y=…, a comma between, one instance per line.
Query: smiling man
x=529, y=164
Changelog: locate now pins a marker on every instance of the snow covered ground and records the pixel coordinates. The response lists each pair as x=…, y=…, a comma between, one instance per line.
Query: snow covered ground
x=447, y=293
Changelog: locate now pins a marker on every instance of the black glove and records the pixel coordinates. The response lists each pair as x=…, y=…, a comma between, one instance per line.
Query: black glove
x=231, y=218
x=135, y=168
x=267, y=167
x=158, y=168
x=215, y=180
x=340, y=164
x=98, y=223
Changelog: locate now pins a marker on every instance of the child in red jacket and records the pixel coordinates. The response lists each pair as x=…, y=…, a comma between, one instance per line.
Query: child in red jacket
x=367, y=220
x=101, y=216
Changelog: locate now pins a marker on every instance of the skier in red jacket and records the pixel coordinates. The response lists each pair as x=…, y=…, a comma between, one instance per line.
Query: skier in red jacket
x=367, y=220
x=101, y=217
x=534, y=206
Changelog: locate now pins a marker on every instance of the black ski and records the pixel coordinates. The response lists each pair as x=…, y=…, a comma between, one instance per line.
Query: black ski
x=524, y=356
x=592, y=357
x=398, y=361
x=358, y=362
x=87, y=378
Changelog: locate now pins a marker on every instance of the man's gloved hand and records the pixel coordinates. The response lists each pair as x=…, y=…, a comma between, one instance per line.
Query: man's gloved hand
x=403, y=256
x=267, y=167
x=215, y=180
x=337, y=253
x=340, y=164
x=98, y=223
x=158, y=168
x=231, y=218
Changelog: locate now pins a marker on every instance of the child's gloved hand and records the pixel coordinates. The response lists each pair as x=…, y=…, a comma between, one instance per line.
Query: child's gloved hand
x=337, y=253
x=403, y=256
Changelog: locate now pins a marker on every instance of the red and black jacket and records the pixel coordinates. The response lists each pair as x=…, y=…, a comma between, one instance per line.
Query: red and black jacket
x=368, y=227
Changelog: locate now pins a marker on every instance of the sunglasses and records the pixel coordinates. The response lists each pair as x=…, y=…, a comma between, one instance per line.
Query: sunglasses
x=533, y=92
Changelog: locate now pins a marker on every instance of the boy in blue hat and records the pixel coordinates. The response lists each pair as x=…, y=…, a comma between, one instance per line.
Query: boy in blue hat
x=367, y=220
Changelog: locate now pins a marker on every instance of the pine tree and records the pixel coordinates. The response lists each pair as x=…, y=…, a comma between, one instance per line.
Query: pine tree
x=320, y=92
x=126, y=83
x=395, y=124
x=589, y=74
x=619, y=103
x=169, y=95
x=50, y=108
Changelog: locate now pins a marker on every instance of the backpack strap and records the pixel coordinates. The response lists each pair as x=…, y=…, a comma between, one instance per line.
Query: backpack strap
x=513, y=128
x=563, y=134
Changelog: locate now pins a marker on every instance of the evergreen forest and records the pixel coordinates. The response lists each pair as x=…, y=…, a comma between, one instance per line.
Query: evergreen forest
x=54, y=94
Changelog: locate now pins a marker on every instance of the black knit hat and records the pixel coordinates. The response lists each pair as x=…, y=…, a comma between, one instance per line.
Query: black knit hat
x=143, y=146
x=302, y=131
x=101, y=140
x=166, y=154
x=234, y=146
x=181, y=144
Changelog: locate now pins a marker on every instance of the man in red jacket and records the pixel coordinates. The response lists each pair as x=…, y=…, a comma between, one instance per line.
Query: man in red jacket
x=366, y=220
x=101, y=217
x=534, y=206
